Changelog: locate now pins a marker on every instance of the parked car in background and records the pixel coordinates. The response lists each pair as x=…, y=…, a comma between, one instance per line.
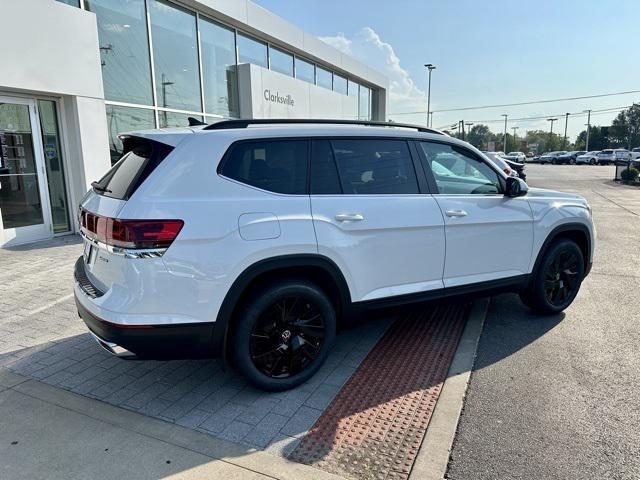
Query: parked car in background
x=551, y=157
x=516, y=157
x=513, y=169
x=590, y=158
x=606, y=157
x=570, y=157
x=530, y=155
x=622, y=155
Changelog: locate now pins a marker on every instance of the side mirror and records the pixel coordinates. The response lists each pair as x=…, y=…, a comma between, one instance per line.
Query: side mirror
x=516, y=187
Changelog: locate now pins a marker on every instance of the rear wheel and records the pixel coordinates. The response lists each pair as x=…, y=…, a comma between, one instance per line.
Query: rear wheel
x=592, y=161
x=557, y=280
x=283, y=334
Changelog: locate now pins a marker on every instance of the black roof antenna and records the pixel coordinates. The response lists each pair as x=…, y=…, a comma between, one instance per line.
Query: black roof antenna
x=194, y=122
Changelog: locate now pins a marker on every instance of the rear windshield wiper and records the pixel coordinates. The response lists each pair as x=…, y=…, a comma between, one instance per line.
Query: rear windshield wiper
x=99, y=188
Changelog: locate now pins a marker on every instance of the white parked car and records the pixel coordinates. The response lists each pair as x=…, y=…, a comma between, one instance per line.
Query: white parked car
x=606, y=157
x=590, y=158
x=516, y=157
x=255, y=239
x=622, y=154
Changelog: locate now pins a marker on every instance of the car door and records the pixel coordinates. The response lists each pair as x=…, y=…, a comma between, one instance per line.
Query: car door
x=374, y=216
x=488, y=236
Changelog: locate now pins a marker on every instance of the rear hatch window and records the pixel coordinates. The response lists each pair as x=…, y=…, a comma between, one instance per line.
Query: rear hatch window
x=140, y=157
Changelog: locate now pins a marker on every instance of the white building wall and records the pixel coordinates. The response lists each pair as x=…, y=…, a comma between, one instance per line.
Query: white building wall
x=268, y=94
x=50, y=49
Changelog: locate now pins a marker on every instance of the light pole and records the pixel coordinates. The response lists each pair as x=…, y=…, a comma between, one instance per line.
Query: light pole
x=429, y=67
x=504, y=142
x=515, y=143
x=551, y=131
x=164, y=84
x=588, y=127
x=566, y=121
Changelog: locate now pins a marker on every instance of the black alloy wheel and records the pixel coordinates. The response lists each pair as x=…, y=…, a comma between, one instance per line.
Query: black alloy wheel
x=287, y=337
x=561, y=277
x=283, y=333
x=556, y=281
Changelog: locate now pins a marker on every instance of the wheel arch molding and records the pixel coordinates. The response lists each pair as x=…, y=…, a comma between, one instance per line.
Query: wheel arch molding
x=577, y=232
x=317, y=268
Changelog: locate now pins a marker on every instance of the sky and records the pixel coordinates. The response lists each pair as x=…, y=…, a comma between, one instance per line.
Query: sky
x=487, y=53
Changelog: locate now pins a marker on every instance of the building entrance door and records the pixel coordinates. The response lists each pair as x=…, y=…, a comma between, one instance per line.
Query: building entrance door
x=24, y=210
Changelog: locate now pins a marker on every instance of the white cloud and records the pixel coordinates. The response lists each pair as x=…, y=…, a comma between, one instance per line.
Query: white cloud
x=367, y=46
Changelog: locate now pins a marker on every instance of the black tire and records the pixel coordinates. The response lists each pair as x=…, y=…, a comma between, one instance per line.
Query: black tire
x=554, y=161
x=275, y=351
x=592, y=161
x=557, y=280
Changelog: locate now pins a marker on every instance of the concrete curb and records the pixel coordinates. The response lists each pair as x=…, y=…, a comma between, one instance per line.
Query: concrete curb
x=433, y=456
x=173, y=436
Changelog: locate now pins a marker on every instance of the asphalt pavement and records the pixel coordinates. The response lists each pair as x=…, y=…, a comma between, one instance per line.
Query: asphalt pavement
x=556, y=397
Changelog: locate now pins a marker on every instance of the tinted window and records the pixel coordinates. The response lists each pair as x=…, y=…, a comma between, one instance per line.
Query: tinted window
x=457, y=171
x=340, y=84
x=218, y=47
x=364, y=104
x=281, y=61
x=305, y=70
x=252, y=51
x=324, y=174
x=175, y=56
x=124, y=49
x=375, y=167
x=140, y=159
x=126, y=119
x=324, y=78
x=277, y=166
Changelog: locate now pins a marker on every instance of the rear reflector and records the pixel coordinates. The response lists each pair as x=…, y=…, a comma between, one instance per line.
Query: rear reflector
x=131, y=234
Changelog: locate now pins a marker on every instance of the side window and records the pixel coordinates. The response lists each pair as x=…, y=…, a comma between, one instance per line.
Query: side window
x=458, y=172
x=278, y=166
x=375, y=166
x=324, y=173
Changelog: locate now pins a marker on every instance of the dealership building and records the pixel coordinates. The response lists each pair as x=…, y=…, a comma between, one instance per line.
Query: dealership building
x=91, y=69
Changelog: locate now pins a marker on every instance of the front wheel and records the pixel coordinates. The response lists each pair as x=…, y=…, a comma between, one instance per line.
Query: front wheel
x=283, y=334
x=557, y=280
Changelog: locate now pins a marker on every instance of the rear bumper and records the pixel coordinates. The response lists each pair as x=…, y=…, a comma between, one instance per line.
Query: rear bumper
x=163, y=341
x=160, y=342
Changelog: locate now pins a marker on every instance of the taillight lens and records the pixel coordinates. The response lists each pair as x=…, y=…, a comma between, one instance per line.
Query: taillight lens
x=132, y=234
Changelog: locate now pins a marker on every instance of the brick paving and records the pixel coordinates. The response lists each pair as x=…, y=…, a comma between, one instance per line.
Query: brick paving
x=42, y=337
x=374, y=427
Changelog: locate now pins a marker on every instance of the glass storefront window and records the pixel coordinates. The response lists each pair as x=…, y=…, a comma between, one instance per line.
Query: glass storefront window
x=175, y=56
x=305, y=70
x=324, y=78
x=218, y=48
x=352, y=88
x=364, y=104
x=339, y=84
x=124, y=49
x=252, y=51
x=173, y=119
x=54, y=166
x=126, y=119
x=281, y=61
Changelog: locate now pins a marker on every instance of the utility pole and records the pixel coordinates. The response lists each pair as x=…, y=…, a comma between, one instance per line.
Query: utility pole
x=469, y=124
x=462, y=128
x=515, y=143
x=566, y=121
x=588, y=127
x=504, y=142
x=429, y=68
x=551, y=131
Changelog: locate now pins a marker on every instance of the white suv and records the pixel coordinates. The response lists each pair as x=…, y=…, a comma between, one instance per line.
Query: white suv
x=256, y=239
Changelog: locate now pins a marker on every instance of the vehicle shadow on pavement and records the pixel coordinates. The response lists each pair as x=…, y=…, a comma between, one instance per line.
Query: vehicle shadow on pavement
x=514, y=328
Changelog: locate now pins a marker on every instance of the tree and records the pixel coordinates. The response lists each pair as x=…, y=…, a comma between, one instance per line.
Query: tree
x=479, y=136
x=598, y=140
x=625, y=128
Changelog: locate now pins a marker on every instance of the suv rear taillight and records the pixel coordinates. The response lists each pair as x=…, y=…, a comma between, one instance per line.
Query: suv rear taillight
x=131, y=234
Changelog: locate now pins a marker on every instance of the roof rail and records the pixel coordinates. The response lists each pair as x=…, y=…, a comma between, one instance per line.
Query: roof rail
x=244, y=123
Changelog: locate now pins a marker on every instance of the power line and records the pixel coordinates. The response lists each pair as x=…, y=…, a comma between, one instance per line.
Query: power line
x=542, y=117
x=532, y=102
